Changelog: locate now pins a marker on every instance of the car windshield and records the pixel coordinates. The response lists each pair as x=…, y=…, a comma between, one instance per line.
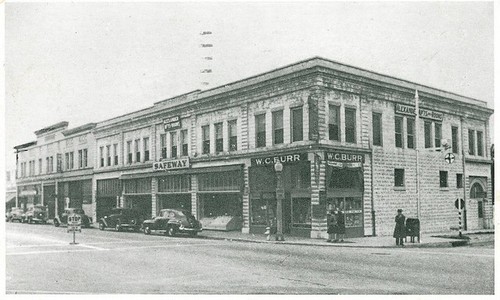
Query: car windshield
x=78, y=211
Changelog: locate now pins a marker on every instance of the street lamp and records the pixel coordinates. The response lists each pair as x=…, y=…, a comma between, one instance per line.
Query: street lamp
x=280, y=195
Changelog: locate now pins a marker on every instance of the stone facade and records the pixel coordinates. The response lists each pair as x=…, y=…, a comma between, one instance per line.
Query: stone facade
x=312, y=87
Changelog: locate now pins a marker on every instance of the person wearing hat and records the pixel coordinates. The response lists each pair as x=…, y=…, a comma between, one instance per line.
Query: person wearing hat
x=400, y=229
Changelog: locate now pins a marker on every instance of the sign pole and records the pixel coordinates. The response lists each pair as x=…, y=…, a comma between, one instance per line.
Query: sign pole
x=460, y=217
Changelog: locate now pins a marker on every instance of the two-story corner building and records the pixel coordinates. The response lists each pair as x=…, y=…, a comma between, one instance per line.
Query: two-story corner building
x=56, y=170
x=346, y=137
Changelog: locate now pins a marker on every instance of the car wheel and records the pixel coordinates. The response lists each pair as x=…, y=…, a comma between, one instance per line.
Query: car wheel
x=147, y=230
x=193, y=233
x=56, y=223
x=101, y=226
x=171, y=231
x=118, y=227
x=30, y=221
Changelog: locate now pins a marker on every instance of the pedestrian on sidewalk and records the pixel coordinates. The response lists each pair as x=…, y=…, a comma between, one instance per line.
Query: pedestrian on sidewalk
x=340, y=225
x=400, y=229
x=331, y=222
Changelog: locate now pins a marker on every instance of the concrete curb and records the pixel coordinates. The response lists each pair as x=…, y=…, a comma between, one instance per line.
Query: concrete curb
x=446, y=244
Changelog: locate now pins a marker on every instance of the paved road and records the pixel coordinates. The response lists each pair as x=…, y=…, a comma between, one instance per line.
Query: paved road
x=39, y=259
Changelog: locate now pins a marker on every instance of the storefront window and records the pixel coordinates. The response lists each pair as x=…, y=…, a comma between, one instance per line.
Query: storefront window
x=345, y=178
x=174, y=184
x=301, y=176
x=263, y=209
x=217, y=205
x=301, y=212
x=351, y=208
x=222, y=181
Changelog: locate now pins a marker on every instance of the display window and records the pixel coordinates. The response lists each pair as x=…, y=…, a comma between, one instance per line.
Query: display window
x=216, y=205
x=301, y=212
x=263, y=209
x=351, y=208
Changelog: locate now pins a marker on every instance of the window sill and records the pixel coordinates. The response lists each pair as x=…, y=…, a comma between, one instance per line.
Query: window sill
x=400, y=188
x=444, y=189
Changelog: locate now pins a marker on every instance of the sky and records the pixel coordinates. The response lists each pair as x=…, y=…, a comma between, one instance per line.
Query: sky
x=88, y=62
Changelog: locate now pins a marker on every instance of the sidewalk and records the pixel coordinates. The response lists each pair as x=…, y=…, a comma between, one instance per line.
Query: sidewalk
x=444, y=239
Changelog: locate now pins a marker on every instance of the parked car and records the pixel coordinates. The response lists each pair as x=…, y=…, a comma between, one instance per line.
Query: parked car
x=15, y=214
x=122, y=218
x=63, y=218
x=172, y=222
x=36, y=214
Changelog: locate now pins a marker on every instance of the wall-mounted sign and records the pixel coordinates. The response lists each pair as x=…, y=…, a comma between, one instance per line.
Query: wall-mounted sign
x=423, y=113
x=181, y=163
x=172, y=123
x=284, y=159
x=344, y=157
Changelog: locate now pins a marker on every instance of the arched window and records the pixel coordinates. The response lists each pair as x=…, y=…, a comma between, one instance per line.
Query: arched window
x=477, y=191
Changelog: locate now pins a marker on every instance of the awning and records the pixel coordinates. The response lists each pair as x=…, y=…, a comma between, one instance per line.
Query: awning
x=10, y=196
x=205, y=170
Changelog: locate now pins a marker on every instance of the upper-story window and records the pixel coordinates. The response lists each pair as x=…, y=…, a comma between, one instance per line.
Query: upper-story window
x=260, y=129
x=47, y=168
x=137, y=150
x=173, y=144
x=334, y=123
x=108, y=155
x=51, y=164
x=163, y=145
x=454, y=139
x=437, y=134
x=66, y=160
x=184, y=142
x=115, y=154
x=80, y=158
x=297, y=124
x=205, y=132
x=219, y=139
x=427, y=134
x=39, y=166
x=377, y=129
x=101, y=155
x=472, y=144
x=410, y=133
x=233, y=135
x=146, y=148
x=129, y=152
x=398, y=129
x=350, y=125
x=480, y=150
x=278, y=127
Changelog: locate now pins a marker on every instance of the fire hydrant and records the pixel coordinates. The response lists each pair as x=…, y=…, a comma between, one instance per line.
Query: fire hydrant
x=268, y=233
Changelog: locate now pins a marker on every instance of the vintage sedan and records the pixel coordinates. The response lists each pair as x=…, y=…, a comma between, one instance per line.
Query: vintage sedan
x=63, y=218
x=122, y=218
x=15, y=214
x=172, y=222
x=36, y=214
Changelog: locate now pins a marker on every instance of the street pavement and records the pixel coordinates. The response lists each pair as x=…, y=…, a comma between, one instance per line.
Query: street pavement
x=40, y=260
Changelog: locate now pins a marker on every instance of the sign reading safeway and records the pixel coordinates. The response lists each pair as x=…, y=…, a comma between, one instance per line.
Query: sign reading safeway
x=181, y=163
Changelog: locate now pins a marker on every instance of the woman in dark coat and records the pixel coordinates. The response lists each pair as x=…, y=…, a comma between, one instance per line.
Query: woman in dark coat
x=331, y=223
x=400, y=229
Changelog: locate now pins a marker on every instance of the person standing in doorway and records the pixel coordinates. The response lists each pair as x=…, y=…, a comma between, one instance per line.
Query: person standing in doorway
x=400, y=229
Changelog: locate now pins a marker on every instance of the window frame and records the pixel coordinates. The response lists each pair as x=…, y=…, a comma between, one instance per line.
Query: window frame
x=443, y=179
x=331, y=126
x=260, y=135
x=297, y=130
x=399, y=182
x=377, y=132
x=398, y=122
x=205, y=139
x=348, y=129
x=278, y=130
